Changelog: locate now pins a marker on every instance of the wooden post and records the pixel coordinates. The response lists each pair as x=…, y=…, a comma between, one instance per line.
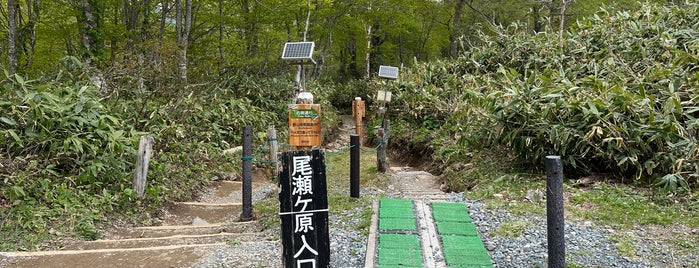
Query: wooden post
x=273, y=148
x=139, y=179
x=303, y=209
x=386, y=133
x=358, y=113
x=246, y=215
x=554, y=212
x=381, y=151
x=354, y=165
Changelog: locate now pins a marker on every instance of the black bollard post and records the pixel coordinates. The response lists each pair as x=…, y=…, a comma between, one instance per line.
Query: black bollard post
x=354, y=165
x=247, y=174
x=554, y=212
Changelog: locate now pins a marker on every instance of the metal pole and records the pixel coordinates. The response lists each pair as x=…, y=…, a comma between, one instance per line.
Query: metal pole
x=554, y=212
x=354, y=165
x=247, y=174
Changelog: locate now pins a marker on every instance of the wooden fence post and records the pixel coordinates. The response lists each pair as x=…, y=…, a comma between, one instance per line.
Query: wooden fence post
x=145, y=147
x=273, y=148
x=381, y=151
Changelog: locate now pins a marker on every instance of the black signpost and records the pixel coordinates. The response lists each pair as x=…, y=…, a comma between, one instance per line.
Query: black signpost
x=303, y=209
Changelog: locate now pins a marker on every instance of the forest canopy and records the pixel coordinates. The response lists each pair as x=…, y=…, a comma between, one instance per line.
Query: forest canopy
x=208, y=37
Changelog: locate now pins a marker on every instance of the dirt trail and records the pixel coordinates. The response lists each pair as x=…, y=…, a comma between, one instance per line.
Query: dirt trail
x=186, y=232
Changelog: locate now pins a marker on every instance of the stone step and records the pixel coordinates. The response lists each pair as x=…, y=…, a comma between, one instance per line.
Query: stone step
x=172, y=230
x=426, y=196
x=196, y=213
x=162, y=256
x=162, y=241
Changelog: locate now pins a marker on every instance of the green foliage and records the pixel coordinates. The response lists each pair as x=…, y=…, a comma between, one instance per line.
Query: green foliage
x=617, y=93
x=65, y=126
x=69, y=147
x=623, y=207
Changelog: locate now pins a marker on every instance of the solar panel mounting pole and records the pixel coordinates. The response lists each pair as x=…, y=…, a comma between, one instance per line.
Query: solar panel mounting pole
x=304, y=123
x=389, y=73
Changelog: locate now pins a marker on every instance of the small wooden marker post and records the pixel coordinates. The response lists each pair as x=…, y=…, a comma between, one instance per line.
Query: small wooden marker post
x=358, y=113
x=139, y=179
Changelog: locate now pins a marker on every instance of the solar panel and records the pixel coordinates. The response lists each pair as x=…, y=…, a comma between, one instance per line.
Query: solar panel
x=389, y=72
x=298, y=51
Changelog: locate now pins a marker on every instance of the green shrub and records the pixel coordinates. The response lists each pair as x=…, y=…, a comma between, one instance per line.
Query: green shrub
x=617, y=93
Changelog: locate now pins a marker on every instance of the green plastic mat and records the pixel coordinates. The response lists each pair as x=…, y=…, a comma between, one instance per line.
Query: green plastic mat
x=473, y=252
x=393, y=202
x=396, y=212
x=387, y=224
x=399, y=241
x=409, y=258
x=467, y=259
x=461, y=242
x=456, y=228
x=450, y=212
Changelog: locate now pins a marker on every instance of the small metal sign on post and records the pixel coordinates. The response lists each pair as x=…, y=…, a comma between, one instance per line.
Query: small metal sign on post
x=303, y=209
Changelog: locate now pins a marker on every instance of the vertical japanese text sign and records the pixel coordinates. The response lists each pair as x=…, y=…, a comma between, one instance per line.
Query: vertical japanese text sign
x=303, y=209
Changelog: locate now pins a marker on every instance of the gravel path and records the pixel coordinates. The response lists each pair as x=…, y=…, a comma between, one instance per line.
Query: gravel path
x=587, y=245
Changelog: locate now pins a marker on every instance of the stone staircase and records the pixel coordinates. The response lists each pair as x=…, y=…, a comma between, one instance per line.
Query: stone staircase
x=187, y=231
x=417, y=185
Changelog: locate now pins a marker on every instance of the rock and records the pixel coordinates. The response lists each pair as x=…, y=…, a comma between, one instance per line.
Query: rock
x=534, y=196
x=490, y=246
x=199, y=221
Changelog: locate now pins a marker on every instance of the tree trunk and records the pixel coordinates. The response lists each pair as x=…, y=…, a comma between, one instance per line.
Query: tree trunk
x=33, y=14
x=222, y=59
x=454, y=35
x=367, y=56
x=563, y=18
x=183, y=24
x=90, y=19
x=165, y=10
x=12, y=7
x=250, y=28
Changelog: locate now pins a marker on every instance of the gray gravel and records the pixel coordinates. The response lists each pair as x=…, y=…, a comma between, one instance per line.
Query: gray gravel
x=587, y=245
